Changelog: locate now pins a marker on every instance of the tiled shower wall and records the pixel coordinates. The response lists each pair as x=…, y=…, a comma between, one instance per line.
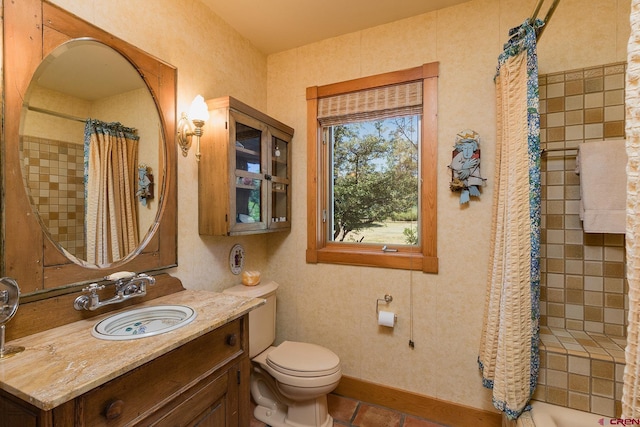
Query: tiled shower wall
x=583, y=286
x=55, y=172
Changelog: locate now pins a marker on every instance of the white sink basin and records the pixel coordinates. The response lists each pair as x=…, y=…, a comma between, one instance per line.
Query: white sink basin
x=143, y=322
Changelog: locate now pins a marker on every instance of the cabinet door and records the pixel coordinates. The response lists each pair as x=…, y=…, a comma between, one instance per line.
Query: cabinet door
x=221, y=402
x=207, y=406
x=280, y=180
x=13, y=414
x=248, y=171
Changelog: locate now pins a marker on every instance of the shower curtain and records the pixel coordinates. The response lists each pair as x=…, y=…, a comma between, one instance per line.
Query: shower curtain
x=110, y=174
x=631, y=387
x=508, y=356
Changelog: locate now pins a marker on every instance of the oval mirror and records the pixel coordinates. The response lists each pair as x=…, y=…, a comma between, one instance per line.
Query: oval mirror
x=90, y=147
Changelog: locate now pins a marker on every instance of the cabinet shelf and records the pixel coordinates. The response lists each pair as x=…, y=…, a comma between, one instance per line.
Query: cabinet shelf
x=222, y=196
x=242, y=150
x=245, y=187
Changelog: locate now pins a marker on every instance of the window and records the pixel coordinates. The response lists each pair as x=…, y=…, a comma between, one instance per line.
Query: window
x=373, y=184
x=371, y=171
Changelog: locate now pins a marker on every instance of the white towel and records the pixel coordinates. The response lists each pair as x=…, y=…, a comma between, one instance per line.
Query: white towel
x=603, y=185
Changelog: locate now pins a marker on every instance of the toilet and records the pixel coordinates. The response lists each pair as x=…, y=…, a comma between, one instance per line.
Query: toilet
x=289, y=382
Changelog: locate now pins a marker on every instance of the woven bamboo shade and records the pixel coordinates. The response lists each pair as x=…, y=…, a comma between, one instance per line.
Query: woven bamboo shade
x=371, y=104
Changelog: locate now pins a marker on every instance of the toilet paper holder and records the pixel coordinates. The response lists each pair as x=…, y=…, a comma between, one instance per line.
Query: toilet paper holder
x=387, y=299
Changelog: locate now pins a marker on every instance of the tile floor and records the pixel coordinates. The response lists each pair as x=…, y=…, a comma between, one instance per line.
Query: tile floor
x=353, y=413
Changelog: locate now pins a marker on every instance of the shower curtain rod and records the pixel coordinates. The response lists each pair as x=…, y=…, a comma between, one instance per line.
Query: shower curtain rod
x=547, y=18
x=62, y=115
x=56, y=114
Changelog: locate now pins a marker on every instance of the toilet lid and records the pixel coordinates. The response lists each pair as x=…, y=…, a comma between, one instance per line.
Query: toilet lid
x=303, y=359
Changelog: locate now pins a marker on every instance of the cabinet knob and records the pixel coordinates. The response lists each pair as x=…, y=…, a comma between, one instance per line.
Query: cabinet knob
x=113, y=409
x=267, y=177
x=232, y=339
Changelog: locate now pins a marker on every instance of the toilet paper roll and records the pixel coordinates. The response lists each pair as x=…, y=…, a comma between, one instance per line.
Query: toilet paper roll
x=386, y=318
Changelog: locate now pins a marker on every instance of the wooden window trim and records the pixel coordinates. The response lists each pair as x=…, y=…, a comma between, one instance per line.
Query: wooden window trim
x=319, y=250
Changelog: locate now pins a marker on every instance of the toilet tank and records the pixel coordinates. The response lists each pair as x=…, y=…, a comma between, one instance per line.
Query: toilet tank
x=262, y=320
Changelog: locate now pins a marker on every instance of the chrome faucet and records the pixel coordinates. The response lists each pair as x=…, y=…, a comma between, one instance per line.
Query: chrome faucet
x=127, y=285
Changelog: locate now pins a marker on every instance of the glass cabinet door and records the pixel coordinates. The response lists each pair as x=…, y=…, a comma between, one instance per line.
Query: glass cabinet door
x=280, y=181
x=249, y=177
x=244, y=175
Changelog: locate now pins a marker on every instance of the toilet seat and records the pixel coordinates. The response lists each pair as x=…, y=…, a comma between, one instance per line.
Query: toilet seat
x=301, y=359
x=302, y=373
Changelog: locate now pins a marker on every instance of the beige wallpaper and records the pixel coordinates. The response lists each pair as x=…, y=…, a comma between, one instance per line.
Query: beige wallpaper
x=334, y=305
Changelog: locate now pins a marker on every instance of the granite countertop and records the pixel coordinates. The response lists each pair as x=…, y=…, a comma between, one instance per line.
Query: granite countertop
x=60, y=364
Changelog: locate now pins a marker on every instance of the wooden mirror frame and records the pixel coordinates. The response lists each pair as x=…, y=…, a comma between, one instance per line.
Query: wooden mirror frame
x=32, y=29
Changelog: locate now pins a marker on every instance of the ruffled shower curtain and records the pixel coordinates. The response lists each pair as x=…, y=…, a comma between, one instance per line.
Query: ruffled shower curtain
x=631, y=387
x=110, y=174
x=508, y=356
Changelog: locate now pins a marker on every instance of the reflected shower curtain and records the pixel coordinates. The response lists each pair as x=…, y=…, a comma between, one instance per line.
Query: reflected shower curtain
x=508, y=356
x=631, y=387
x=111, y=159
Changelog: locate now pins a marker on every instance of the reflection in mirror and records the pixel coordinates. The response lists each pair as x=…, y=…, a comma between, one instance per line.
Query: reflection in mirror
x=76, y=201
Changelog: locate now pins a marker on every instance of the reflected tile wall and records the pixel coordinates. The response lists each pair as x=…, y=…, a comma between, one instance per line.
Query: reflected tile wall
x=56, y=185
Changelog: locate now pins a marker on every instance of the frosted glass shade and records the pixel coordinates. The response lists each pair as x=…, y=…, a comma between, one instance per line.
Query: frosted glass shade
x=198, y=109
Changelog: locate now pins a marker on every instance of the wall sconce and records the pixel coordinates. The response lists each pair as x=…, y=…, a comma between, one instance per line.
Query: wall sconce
x=198, y=114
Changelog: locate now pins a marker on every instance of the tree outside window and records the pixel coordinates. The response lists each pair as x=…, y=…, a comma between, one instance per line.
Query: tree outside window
x=375, y=181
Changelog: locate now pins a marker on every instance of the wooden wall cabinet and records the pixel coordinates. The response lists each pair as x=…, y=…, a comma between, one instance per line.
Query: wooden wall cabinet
x=244, y=174
x=204, y=382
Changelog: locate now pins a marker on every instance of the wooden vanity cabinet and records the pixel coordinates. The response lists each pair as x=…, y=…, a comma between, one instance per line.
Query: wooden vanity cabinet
x=244, y=173
x=204, y=382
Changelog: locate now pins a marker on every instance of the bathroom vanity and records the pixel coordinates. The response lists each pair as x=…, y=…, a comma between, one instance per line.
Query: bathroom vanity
x=197, y=374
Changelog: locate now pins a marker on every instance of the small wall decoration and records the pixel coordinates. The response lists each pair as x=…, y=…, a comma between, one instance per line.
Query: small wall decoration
x=145, y=184
x=236, y=259
x=465, y=166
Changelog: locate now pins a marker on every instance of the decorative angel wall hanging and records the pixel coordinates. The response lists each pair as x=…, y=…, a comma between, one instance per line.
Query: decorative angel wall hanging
x=465, y=166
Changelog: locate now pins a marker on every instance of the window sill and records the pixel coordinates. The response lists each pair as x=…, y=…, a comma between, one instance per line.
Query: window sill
x=373, y=258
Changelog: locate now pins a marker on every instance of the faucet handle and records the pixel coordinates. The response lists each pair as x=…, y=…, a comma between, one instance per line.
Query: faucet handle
x=150, y=279
x=94, y=287
x=119, y=275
